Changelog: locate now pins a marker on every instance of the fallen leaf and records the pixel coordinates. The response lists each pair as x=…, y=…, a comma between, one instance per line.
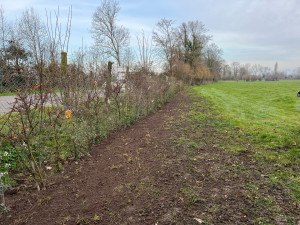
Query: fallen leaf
x=199, y=220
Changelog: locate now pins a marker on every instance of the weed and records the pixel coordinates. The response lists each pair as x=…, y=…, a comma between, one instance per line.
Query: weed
x=192, y=196
x=4, y=209
x=115, y=167
x=44, y=201
x=82, y=220
x=96, y=217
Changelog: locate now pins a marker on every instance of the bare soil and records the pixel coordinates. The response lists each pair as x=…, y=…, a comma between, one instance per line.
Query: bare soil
x=168, y=168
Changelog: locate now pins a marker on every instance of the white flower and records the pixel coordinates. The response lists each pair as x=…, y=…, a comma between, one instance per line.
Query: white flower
x=3, y=173
x=7, y=165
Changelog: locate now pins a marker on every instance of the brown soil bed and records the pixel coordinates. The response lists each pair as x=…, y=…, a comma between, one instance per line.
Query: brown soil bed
x=165, y=169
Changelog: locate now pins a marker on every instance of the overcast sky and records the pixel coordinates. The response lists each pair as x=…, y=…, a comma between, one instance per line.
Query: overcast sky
x=253, y=31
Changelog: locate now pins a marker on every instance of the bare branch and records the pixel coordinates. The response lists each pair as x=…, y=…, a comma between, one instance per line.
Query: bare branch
x=106, y=33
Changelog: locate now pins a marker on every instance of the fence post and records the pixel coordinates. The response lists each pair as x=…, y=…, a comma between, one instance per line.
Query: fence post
x=108, y=81
x=64, y=64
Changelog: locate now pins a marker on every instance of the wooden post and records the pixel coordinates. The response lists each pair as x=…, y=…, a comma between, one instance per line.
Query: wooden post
x=65, y=81
x=108, y=81
x=64, y=63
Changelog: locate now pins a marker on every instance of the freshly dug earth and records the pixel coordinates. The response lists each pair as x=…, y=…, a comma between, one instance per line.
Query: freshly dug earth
x=168, y=168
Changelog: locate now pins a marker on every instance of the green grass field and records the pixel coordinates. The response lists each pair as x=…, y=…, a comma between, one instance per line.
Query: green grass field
x=268, y=114
x=269, y=109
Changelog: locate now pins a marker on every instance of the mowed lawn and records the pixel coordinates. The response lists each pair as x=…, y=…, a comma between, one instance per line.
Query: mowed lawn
x=268, y=115
x=269, y=110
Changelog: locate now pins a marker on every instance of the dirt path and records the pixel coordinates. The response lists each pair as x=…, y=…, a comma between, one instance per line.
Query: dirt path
x=168, y=168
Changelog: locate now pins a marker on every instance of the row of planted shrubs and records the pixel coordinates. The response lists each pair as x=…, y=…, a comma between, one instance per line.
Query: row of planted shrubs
x=40, y=136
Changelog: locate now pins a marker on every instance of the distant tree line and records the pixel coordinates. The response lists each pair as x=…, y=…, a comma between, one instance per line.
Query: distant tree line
x=296, y=74
x=256, y=72
x=31, y=48
x=189, y=52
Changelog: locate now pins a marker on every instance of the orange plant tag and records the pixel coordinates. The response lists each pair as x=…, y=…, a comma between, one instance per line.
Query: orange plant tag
x=68, y=114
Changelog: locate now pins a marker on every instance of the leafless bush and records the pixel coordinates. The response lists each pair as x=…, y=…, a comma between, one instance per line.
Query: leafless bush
x=61, y=107
x=251, y=78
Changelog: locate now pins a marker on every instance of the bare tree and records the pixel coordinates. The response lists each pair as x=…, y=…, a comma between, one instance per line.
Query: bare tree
x=213, y=60
x=165, y=37
x=106, y=33
x=34, y=36
x=235, y=69
x=128, y=57
x=246, y=67
x=265, y=71
x=144, y=52
x=226, y=72
x=255, y=69
x=4, y=31
x=57, y=41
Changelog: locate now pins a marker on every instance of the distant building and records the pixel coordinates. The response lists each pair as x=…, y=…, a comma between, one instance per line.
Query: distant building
x=119, y=73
